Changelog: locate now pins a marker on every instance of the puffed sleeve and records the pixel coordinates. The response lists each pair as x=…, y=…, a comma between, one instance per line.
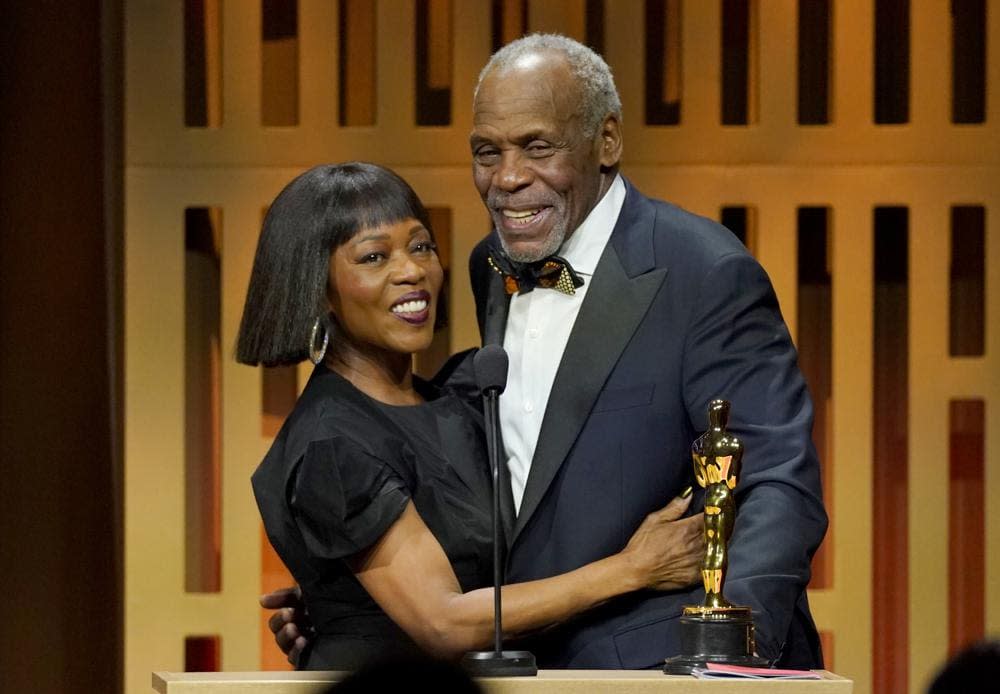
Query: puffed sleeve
x=458, y=375
x=343, y=498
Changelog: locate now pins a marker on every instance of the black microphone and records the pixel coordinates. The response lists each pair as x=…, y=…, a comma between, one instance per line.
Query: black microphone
x=490, y=365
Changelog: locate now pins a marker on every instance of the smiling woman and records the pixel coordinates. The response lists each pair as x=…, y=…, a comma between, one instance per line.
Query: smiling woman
x=383, y=290
x=376, y=492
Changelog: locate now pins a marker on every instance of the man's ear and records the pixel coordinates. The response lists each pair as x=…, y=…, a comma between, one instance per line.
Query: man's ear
x=611, y=142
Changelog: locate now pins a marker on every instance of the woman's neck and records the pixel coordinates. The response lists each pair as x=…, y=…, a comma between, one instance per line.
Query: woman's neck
x=383, y=376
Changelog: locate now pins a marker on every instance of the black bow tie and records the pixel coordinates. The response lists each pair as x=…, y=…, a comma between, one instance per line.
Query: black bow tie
x=548, y=273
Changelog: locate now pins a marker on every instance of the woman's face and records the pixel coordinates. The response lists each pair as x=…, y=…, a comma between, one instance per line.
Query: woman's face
x=383, y=287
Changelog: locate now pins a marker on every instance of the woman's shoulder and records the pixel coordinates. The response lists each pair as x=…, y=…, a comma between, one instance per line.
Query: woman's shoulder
x=458, y=376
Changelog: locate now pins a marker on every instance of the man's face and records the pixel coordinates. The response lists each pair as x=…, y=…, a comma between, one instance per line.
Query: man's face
x=537, y=173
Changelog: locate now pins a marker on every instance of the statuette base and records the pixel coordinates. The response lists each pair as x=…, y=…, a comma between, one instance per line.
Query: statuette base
x=715, y=635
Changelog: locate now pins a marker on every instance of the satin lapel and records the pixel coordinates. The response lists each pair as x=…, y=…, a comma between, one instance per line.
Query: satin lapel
x=497, y=303
x=611, y=312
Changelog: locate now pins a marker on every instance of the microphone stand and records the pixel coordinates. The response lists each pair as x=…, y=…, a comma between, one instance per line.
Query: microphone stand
x=498, y=662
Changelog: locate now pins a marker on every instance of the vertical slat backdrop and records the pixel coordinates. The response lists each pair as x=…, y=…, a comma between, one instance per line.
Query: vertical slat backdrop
x=773, y=166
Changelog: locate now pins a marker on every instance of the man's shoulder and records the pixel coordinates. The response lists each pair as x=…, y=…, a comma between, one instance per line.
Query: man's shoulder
x=482, y=248
x=479, y=268
x=679, y=235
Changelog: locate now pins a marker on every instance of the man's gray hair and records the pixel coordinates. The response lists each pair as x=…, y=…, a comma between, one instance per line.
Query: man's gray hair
x=597, y=86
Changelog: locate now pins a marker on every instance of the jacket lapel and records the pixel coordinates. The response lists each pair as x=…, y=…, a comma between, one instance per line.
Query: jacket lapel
x=622, y=288
x=497, y=303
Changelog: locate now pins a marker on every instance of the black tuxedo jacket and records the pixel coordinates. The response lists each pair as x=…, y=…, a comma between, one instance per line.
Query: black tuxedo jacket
x=678, y=313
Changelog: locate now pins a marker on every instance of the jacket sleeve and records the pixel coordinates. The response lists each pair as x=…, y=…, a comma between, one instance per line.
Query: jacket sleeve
x=738, y=348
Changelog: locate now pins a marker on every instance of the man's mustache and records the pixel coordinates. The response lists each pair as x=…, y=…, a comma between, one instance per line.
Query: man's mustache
x=498, y=199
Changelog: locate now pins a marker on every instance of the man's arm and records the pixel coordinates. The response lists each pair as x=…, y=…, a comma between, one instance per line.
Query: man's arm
x=738, y=348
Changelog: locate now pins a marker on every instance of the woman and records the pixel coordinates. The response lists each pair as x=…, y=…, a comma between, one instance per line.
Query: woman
x=376, y=492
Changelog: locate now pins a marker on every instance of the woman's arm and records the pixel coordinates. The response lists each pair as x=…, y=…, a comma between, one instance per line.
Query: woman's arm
x=409, y=576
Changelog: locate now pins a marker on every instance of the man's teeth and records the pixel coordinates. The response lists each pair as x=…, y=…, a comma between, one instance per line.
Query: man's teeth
x=410, y=306
x=520, y=214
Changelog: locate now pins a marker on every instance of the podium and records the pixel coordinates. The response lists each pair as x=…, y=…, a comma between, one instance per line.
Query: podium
x=547, y=682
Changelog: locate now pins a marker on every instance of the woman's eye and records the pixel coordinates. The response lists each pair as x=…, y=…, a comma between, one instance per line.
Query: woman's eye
x=425, y=247
x=372, y=258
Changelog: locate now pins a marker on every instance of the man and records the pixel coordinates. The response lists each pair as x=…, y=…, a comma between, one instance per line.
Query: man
x=610, y=382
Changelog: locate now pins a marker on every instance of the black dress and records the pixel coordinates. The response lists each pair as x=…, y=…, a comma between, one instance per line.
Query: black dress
x=340, y=473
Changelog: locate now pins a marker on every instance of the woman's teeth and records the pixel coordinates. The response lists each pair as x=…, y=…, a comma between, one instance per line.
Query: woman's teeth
x=410, y=306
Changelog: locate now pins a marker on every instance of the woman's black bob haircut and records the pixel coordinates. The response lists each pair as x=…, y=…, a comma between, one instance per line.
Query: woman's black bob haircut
x=314, y=215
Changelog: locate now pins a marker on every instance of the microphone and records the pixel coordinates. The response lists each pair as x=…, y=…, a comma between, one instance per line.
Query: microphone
x=490, y=364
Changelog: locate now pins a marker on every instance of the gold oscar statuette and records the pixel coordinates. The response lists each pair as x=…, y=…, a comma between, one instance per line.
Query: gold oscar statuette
x=716, y=630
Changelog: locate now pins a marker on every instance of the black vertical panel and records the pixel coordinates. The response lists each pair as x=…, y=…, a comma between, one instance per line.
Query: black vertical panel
x=195, y=97
x=659, y=111
x=968, y=65
x=433, y=105
x=814, y=62
x=735, y=219
x=892, y=61
x=735, y=61
x=891, y=243
x=496, y=25
x=890, y=451
x=967, y=282
x=812, y=245
x=279, y=19
x=595, y=25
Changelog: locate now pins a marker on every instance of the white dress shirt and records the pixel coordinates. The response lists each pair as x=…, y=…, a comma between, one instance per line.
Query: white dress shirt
x=538, y=327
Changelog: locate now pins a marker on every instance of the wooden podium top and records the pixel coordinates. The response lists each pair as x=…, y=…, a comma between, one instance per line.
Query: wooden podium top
x=547, y=682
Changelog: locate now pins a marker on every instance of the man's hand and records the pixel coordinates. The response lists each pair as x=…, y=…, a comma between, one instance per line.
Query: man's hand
x=290, y=624
x=668, y=549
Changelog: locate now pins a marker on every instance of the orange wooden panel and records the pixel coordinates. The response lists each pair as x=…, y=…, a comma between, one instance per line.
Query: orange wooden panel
x=357, y=62
x=826, y=639
x=273, y=575
x=966, y=525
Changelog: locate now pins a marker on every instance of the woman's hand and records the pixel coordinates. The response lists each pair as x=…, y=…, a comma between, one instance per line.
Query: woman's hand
x=289, y=623
x=666, y=550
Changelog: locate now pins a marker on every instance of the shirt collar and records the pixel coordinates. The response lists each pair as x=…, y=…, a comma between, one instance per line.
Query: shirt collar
x=585, y=245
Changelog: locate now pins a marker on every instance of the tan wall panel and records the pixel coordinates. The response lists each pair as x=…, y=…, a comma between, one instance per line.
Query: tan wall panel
x=559, y=16
x=777, y=83
x=991, y=379
x=319, y=46
x=851, y=514
x=928, y=437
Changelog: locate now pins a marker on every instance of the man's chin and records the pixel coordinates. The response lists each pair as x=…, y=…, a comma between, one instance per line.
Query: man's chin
x=531, y=251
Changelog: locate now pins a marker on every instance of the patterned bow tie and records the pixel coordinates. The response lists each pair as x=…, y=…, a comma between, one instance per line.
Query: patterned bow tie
x=549, y=273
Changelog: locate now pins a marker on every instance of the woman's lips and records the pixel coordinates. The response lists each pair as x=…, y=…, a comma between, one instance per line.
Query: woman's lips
x=414, y=308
